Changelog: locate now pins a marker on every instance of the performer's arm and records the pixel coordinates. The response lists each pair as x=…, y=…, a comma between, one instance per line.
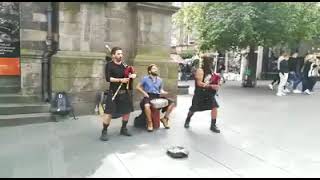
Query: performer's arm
x=199, y=77
x=162, y=91
x=119, y=80
x=112, y=79
x=140, y=89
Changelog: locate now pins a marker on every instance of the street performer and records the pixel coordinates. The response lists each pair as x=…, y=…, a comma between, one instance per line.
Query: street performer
x=151, y=86
x=207, y=84
x=118, y=102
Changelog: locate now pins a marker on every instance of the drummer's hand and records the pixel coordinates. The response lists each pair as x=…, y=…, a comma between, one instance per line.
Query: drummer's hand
x=146, y=95
x=164, y=93
x=132, y=76
x=124, y=80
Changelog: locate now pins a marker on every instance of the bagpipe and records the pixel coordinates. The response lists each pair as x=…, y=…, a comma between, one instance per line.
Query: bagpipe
x=215, y=79
x=128, y=70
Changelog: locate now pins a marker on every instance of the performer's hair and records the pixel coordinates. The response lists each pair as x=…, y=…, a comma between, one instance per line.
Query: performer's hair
x=207, y=64
x=149, y=67
x=114, y=50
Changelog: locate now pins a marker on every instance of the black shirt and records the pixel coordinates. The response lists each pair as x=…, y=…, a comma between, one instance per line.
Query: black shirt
x=299, y=64
x=292, y=63
x=115, y=71
x=284, y=68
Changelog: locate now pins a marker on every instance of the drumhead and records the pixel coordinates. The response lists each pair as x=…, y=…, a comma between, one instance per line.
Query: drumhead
x=159, y=102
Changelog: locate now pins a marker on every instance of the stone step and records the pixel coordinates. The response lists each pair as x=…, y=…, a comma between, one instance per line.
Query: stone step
x=24, y=119
x=23, y=108
x=18, y=98
x=10, y=89
x=10, y=81
x=183, y=89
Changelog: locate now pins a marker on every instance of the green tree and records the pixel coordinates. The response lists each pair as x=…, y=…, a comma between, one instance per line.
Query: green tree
x=227, y=25
x=303, y=22
x=189, y=17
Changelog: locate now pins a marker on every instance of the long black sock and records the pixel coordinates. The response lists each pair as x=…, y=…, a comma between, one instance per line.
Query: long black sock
x=190, y=114
x=213, y=122
x=124, y=124
x=105, y=126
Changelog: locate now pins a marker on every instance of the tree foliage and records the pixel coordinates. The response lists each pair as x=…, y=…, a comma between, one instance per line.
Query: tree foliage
x=226, y=25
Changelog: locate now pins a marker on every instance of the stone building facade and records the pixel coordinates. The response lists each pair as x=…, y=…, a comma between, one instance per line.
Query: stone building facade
x=62, y=46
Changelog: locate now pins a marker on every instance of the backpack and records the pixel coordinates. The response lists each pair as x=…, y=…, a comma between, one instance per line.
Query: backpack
x=61, y=105
x=140, y=121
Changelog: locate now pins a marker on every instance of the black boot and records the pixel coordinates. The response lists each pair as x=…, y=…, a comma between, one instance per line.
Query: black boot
x=187, y=123
x=124, y=130
x=213, y=126
x=104, y=134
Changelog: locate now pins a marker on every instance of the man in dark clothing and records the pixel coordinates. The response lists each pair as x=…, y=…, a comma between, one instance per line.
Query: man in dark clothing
x=308, y=81
x=204, y=94
x=117, y=104
x=283, y=73
x=294, y=77
x=221, y=70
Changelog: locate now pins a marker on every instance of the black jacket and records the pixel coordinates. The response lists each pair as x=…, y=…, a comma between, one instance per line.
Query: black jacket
x=306, y=68
x=299, y=64
x=284, y=67
x=292, y=63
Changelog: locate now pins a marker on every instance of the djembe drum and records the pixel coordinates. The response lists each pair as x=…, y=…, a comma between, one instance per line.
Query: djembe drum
x=156, y=105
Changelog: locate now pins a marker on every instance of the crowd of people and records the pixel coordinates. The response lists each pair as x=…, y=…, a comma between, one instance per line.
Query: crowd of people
x=294, y=70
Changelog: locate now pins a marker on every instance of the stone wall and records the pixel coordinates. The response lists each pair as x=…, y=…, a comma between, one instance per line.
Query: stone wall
x=33, y=32
x=88, y=26
x=80, y=74
x=31, y=72
x=153, y=45
x=82, y=29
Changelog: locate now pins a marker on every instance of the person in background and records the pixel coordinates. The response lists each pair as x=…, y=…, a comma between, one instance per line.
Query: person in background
x=283, y=73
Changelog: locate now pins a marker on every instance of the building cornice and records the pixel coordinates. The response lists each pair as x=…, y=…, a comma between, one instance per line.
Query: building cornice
x=155, y=6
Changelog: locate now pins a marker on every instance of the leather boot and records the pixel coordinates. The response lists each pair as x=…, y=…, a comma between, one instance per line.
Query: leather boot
x=124, y=131
x=213, y=126
x=187, y=123
x=104, y=135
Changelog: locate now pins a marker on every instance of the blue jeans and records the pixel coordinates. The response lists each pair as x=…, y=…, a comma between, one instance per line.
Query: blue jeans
x=296, y=79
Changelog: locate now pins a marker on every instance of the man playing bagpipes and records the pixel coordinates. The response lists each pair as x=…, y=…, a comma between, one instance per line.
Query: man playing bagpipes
x=151, y=86
x=207, y=84
x=118, y=101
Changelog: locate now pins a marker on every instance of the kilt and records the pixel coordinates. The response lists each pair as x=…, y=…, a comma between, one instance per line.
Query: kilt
x=121, y=105
x=203, y=100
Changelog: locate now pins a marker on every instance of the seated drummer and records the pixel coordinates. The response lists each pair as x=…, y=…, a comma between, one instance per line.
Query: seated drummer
x=151, y=87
